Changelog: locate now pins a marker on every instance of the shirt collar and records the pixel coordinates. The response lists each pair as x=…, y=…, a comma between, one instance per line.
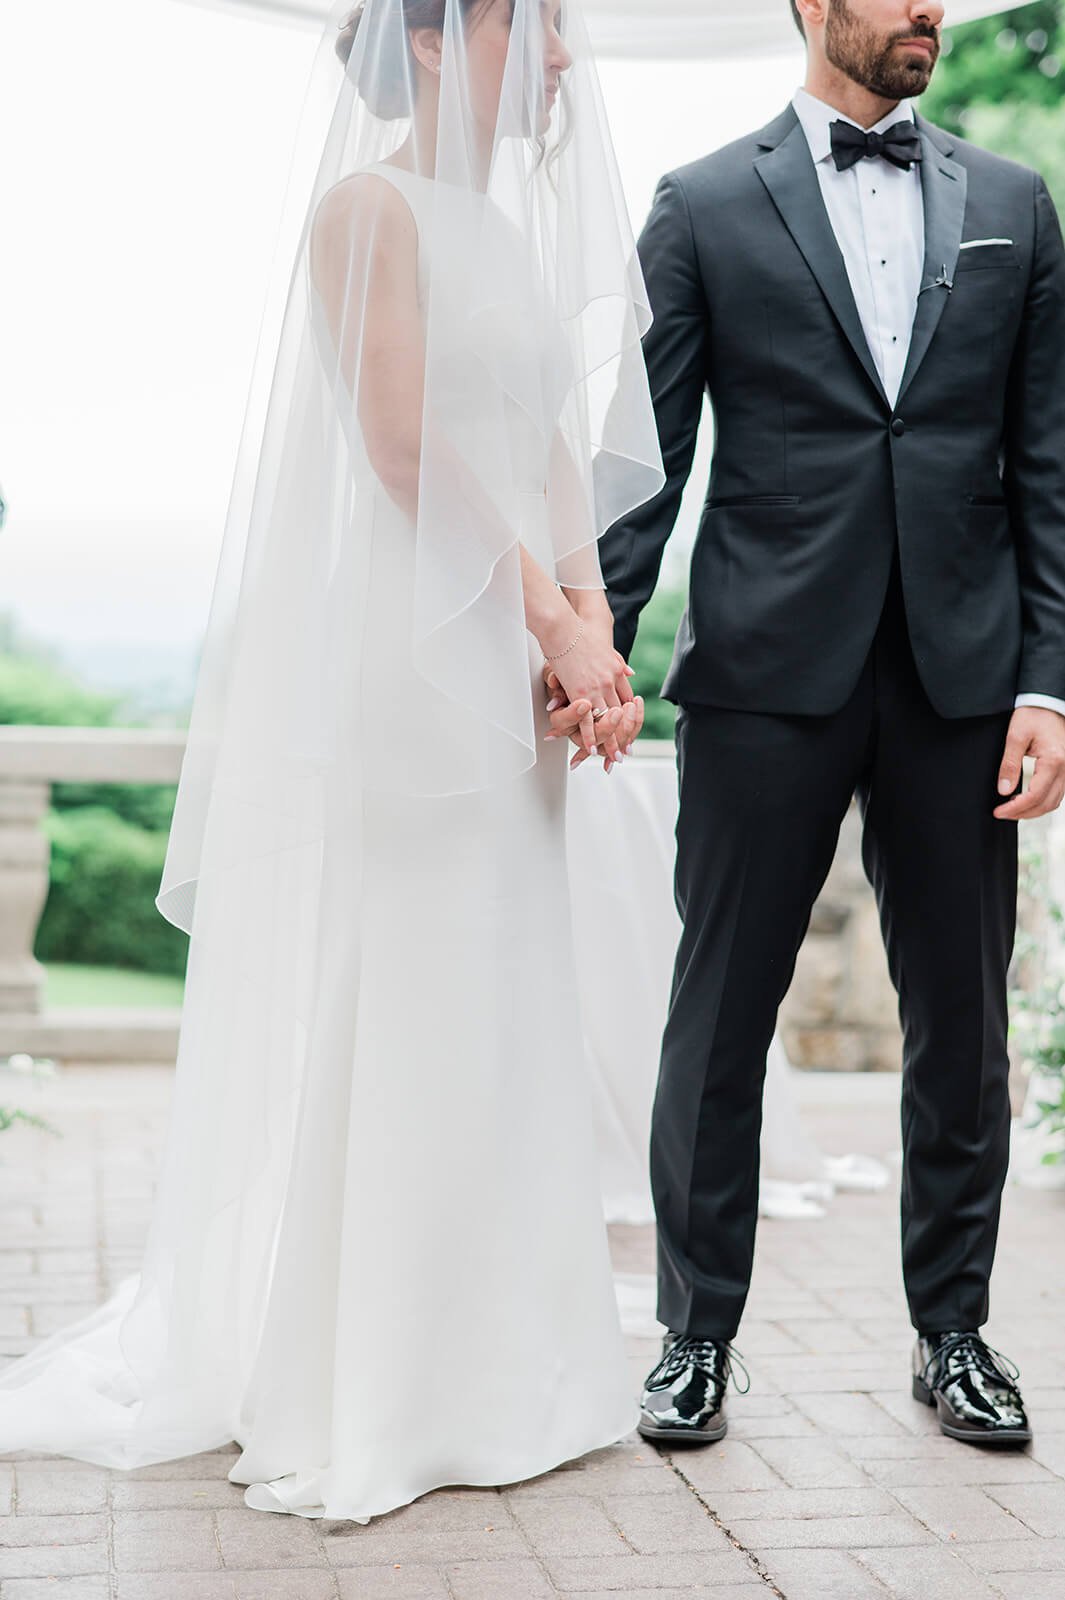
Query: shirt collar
x=817, y=118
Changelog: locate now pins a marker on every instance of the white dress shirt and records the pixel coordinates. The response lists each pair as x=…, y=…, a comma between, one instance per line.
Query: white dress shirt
x=877, y=214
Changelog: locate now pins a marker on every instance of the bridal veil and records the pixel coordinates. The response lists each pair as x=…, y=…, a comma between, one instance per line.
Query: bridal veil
x=541, y=441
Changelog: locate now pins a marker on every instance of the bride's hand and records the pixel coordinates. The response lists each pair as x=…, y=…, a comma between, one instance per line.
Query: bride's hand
x=615, y=732
x=586, y=669
x=592, y=608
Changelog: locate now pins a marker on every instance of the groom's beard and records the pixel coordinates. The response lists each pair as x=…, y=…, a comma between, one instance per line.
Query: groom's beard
x=875, y=62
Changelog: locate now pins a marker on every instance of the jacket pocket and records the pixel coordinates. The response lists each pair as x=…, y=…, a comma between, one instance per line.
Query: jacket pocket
x=987, y=258
x=753, y=500
x=986, y=499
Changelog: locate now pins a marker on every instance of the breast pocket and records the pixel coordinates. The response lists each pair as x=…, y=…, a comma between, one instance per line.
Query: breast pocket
x=987, y=258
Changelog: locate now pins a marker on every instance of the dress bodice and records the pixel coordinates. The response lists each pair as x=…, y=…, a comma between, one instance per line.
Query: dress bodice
x=498, y=357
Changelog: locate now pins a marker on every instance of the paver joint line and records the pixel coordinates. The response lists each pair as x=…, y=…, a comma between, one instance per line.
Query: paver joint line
x=756, y=1565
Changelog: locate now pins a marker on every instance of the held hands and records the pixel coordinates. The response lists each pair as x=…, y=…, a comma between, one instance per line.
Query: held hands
x=572, y=708
x=1039, y=732
x=592, y=702
x=611, y=737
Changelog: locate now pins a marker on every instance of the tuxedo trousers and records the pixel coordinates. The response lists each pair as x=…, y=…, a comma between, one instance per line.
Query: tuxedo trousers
x=762, y=800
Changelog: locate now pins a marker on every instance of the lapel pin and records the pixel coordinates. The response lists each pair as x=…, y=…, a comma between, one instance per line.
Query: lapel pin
x=942, y=282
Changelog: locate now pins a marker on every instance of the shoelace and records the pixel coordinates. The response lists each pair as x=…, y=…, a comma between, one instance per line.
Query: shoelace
x=700, y=1353
x=984, y=1358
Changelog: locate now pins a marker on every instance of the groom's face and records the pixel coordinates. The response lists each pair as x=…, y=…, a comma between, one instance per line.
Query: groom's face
x=890, y=47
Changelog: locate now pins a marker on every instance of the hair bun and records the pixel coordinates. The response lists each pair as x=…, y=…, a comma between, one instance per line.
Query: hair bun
x=348, y=29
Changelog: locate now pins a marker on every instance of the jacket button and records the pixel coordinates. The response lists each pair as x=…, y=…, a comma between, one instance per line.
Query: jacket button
x=898, y=427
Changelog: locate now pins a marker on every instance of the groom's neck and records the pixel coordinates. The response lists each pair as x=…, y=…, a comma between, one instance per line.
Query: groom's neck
x=826, y=82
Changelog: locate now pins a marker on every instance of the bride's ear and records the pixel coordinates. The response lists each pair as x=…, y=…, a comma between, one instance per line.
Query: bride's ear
x=427, y=48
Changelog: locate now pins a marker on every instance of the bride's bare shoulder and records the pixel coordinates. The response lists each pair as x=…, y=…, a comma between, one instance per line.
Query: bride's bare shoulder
x=362, y=201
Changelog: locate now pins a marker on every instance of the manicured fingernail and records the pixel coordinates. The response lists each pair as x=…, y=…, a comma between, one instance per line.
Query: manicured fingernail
x=553, y=705
x=628, y=749
x=1004, y=786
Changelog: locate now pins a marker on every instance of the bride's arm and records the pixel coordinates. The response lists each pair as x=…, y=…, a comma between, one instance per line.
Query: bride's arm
x=364, y=260
x=580, y=574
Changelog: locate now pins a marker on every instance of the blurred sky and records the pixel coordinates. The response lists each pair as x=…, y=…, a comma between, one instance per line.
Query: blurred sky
x=147, y=145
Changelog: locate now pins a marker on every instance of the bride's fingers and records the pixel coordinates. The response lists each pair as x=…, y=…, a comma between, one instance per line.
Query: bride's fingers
x=588, y=731
x=609, y=745
x=566, y=721
x=623, y=686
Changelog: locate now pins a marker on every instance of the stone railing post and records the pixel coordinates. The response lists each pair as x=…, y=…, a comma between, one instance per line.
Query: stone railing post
x=31, y=760
x=24, y=857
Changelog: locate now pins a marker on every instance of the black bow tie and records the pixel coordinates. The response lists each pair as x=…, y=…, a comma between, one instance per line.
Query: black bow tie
x=901, y=144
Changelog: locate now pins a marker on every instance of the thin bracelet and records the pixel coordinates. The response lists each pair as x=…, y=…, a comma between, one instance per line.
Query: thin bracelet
x=569, y=647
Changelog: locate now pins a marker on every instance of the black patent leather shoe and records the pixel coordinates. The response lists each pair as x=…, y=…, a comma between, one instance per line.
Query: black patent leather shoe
x=684, y=1397
x=969, y=1384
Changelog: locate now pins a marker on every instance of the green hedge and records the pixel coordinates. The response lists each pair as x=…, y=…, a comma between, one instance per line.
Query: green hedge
x=651, y=657
x=108, y=840
x=101, y=904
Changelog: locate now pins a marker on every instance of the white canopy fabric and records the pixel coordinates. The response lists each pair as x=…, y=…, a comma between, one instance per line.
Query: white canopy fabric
x=663, y=29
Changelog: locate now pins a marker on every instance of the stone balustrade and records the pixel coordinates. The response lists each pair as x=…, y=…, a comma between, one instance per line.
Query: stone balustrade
x=840, y=1013
x=31, y=760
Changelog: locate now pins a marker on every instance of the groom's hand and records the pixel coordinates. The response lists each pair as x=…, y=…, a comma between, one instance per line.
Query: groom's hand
x=1039, y=732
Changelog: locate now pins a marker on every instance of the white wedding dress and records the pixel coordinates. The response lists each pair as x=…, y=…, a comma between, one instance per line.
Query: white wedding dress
x=442, y=1309
x=391, y=1271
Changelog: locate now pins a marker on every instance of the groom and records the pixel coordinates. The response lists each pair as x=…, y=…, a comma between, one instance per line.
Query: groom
x=877, y=607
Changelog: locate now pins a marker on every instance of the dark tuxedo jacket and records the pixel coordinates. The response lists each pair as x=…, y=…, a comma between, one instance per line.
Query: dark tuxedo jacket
x=816, y=476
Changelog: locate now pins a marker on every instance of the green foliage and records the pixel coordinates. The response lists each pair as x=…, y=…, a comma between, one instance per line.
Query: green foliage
x=35, y=691
x=101, y=906
x=1016, y=57
x=108, y=839
x=1031, y=134
x=143, y=805
x=1001, y=83
x=9, y=1115
x=68, y=985
x=651, y=658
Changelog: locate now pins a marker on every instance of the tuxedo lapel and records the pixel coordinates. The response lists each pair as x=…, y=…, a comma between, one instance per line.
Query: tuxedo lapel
x=944, y=188
x=788, y=172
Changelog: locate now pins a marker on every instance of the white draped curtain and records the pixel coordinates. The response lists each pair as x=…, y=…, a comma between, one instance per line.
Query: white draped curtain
x=655, y=28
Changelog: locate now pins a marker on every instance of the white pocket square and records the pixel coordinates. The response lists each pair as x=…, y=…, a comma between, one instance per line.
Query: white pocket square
x=978, y=244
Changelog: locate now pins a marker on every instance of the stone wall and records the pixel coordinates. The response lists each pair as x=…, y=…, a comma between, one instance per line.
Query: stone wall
x=841, y=1013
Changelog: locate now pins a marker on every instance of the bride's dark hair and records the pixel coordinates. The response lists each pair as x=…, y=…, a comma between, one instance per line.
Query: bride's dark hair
x=395, y=70
x=390, y=96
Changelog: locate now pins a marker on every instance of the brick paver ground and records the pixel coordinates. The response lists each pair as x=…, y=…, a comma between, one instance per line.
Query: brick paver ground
x=833, y=1484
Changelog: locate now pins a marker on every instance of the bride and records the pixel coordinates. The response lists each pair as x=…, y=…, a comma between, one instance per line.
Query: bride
x=376, y=1257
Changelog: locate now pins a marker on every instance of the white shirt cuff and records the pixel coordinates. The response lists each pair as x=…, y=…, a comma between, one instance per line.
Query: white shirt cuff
x=1045, y=700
